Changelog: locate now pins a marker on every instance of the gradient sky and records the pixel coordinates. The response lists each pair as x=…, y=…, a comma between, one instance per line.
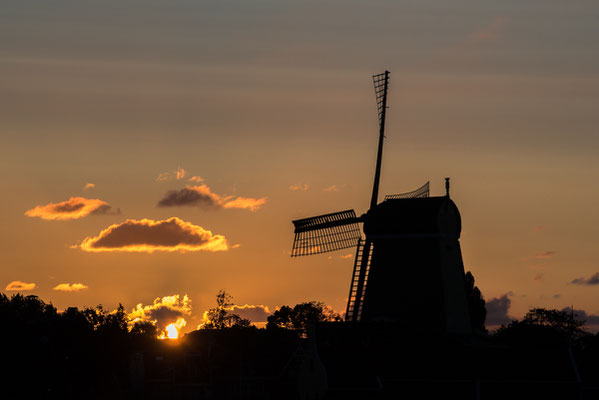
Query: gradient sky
x=261, y=97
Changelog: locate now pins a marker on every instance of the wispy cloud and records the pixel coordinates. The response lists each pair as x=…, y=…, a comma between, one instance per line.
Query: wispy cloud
x=299, y=187
x=542, y=255
x=89, y=185
x=73, y=208
x=202, y=196
x=163, y=177
x=592, y=280
x=163, y=312
x=147, y=236
x=196, y=179
x=180, y=173
x=177, y=174
x=332, y=188
x=70, y=287
x=20, y=286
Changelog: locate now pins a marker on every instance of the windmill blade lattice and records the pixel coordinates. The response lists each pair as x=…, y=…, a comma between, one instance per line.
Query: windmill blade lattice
x=324, y=233
x=380, y=81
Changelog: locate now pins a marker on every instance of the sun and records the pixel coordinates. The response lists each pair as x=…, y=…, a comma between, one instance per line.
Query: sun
x=171, y=331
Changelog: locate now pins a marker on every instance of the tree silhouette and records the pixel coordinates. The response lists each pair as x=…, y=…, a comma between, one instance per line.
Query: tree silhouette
x=301, y=316
x=476, y=304
x=221, y=316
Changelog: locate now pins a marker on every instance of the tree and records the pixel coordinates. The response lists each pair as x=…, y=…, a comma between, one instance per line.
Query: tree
x=221, y=317
x=541, y=326
x=476, y=304
x=301, y=316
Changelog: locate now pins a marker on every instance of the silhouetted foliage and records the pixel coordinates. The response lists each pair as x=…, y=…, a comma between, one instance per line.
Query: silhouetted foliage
x=476, y=304
x=541, y=326
x=301, y=316
x=221, y=317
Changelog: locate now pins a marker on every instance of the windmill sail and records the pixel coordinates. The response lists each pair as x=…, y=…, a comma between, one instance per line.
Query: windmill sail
x=324, y=233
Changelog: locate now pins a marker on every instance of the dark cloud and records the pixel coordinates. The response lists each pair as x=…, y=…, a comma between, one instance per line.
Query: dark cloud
x=148, y=236
x=202, y=196
x=592, y=280
x=497, y=311
x=581, y=315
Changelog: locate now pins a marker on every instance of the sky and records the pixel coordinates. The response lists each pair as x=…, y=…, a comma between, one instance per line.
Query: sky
x=213, y=124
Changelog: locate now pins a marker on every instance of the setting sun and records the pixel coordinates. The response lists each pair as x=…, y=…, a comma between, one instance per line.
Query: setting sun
x=171, y=331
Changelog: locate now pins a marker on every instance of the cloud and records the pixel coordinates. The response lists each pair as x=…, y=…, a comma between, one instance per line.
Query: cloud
x=163, y=177
x=202, y=196
x=68, y=287
x=592, y=280
x=497, y=311
x=332, y=188
x=581, y=315
x=20, y=286
x=89, y=185
x=180, y=173
x=299, y=187
x=196, y=179
x=257, y=314
x=147, y=235
x=73, y=208
x=544, y=255
x=163, y=311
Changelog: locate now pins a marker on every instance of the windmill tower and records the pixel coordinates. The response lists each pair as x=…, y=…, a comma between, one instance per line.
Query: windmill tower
x=408, y=266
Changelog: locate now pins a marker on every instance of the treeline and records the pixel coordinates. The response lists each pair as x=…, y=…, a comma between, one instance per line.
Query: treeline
x=88, y=351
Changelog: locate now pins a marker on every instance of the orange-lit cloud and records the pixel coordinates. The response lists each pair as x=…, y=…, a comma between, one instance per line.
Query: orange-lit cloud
x=299, y=187
x=196, y=179
x=163, y=312
x=202, y=196
x=20, y=286
x=147, y=235
x=257, y=314
x=73, y=208
x=68, y=287
x=332, y=188
x=180, y=173
x=89, y=185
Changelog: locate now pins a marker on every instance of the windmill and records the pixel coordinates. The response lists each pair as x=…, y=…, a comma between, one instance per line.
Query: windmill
x=408, y=263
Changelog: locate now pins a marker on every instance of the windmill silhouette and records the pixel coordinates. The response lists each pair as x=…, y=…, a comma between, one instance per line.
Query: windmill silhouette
x=408, y=265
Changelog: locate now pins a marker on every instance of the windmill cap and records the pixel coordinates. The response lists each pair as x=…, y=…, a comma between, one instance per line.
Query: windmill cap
x=416, y=216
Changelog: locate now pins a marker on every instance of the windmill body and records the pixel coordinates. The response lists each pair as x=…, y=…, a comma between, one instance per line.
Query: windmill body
x=408, y=265
x=416, y=275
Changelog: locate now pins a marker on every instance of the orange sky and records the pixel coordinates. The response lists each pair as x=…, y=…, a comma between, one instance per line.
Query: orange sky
x=230, y=120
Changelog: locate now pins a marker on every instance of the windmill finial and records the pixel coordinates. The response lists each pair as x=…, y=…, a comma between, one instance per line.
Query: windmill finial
x=447, y=187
